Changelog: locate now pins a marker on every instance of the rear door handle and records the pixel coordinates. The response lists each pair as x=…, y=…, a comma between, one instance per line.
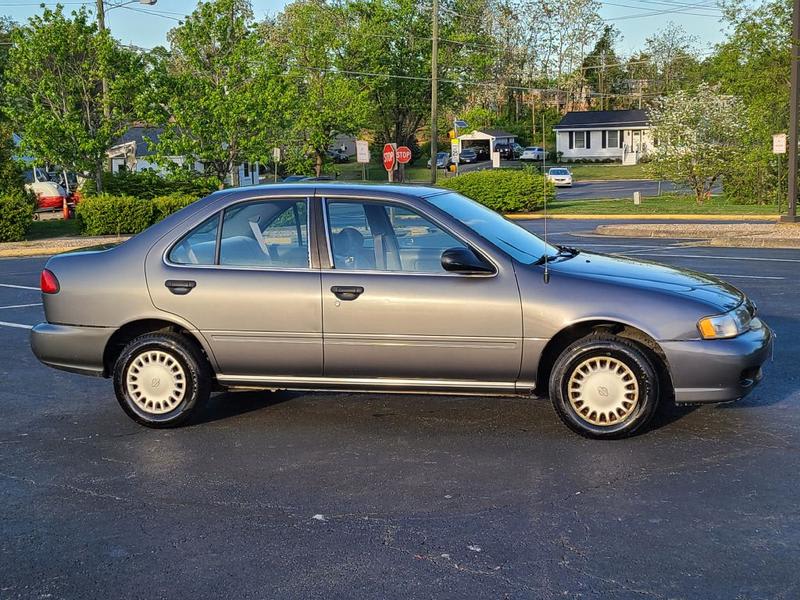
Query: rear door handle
x=347, y=292
x=180, y=287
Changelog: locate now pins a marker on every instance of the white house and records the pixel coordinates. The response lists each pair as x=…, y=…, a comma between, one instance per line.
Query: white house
x=133, y=152
x=622, y=135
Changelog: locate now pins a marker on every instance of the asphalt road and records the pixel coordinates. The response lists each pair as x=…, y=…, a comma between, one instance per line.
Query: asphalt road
x=318, y=495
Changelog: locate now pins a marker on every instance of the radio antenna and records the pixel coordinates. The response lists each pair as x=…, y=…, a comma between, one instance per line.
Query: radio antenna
x=544, y=204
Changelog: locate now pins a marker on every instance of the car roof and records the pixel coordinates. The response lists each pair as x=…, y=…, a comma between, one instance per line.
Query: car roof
x=338, y=188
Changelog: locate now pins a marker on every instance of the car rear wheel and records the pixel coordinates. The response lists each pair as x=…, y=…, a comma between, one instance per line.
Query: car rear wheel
x=161, y=380
x=604, y=386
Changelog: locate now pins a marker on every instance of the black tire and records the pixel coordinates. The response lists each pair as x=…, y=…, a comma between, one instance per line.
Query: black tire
x=640, y=366
x=194, y=380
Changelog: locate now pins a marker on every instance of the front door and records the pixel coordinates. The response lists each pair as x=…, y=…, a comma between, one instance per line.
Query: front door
x=391, y=311
x=248, y=287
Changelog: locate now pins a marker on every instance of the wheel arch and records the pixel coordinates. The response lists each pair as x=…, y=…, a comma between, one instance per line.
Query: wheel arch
x=577, y=330
x=133, y=329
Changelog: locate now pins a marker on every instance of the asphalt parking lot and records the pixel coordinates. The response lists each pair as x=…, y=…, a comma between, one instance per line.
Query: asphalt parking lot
x=319, y=495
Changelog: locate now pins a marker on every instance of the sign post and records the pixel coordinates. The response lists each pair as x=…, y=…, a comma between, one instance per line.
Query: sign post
x=276, y=158
x=390, y=160
x=403, y=158
x=779, y=148
x=362, y=157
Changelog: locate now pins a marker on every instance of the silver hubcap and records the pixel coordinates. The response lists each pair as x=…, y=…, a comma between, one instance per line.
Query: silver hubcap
x=156, y=382
x=603, y=390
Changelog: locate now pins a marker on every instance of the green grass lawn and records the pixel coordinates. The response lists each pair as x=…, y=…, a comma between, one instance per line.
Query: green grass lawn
x=606, y=171
x=53, y=228
x=717, y=205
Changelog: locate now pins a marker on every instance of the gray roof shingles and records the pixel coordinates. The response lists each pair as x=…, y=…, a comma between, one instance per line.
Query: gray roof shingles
x=597, y=119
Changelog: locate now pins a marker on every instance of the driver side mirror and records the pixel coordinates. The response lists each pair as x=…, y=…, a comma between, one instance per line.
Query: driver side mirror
x=463, y=260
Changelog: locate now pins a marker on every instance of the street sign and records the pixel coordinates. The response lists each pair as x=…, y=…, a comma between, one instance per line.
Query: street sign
x=362, y=152
x=404, y=155
x=389, y=157
x=276, y=154
x=455, y=149
x=779, y=143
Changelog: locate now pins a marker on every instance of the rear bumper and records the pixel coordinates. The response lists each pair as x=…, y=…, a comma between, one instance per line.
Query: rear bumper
x=707, y=371
x=71, y=348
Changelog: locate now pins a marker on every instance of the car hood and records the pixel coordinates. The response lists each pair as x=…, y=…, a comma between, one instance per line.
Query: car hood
x=651, y=275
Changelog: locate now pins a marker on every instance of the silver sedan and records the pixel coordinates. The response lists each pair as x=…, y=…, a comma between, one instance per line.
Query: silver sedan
x=402, y=289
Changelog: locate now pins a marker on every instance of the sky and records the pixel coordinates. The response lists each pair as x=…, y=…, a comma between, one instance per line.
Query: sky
x=636, y=19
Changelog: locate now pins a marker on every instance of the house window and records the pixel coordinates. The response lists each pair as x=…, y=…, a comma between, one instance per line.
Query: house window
x=612, y=137
x=580, y=139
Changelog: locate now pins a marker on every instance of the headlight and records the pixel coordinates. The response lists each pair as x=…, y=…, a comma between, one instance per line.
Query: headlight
x=728, y=325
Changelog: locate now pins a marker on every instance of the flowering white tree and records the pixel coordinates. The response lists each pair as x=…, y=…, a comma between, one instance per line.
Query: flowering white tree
x=698, y=136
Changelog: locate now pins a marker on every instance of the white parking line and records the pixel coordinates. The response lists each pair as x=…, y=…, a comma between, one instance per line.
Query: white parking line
x=21, y=305
x=746, y=276
x=18, y=287
x=16, y=325
x=708, y=256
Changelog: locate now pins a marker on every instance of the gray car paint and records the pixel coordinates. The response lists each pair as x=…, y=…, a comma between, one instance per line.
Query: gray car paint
x=273, y=327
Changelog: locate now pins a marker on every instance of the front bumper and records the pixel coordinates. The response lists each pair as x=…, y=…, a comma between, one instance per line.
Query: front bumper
x=71, y=348
x=707, y=371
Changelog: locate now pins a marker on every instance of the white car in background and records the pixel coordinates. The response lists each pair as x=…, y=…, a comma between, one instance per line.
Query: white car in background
x=532, y=153
x=559, y=176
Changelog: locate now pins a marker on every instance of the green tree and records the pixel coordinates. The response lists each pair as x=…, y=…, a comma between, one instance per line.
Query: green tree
x=389, y=44
x=326, y=102
x=602, y=70
x=219, y=91
x=753, y=63
x=53, y=89
x=698, y=138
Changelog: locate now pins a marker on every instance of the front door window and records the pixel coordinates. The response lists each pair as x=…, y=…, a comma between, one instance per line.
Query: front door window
x=373, y=236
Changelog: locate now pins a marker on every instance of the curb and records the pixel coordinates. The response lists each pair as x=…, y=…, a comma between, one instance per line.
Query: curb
x=50, y=246
x=647, y=217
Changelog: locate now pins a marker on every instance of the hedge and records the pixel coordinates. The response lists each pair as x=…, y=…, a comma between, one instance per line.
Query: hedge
x=149, y=184
x=16, y=216
x=164, y=206
x=503, y=190
x=113, y=215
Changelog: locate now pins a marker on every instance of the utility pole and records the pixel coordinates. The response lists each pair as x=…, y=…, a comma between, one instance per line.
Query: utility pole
x=791, y=213
x=435, y=89
x=101, y=25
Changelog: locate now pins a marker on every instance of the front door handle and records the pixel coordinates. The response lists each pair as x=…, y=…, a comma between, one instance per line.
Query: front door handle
x=347, y=292
x=180, y=287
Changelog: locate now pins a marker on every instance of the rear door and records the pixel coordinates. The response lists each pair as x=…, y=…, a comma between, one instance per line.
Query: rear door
x=244, y=278
x=391, y=311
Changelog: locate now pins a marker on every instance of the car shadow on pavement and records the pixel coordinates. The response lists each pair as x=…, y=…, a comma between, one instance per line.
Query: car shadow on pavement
x=226, y=405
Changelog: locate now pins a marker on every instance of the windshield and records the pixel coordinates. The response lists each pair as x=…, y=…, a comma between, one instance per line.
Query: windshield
x=559, y=172
x=441, y=154
x=530, y=149
x=509, y=237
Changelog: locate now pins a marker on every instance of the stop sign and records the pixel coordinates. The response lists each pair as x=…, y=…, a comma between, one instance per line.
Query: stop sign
x=403, y=155
x=388, y=157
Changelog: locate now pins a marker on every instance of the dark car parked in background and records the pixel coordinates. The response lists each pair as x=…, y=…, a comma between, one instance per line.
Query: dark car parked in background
x=405, y=289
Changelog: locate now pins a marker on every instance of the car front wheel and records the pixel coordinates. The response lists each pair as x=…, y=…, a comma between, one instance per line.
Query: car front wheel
x=161, y=380
x=604, y=386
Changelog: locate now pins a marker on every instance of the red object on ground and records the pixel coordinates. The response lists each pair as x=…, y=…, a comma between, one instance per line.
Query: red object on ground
x=404, y=155
x=388, y=157
x=49, y=202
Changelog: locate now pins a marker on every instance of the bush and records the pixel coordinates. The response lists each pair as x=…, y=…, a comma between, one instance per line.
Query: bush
x=113, y=215
x=503, y=190
x=149, y=184
x=164, y=206
x=16, y=216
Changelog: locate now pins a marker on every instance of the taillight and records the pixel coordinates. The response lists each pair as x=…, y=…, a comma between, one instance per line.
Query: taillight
x=48, y=282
